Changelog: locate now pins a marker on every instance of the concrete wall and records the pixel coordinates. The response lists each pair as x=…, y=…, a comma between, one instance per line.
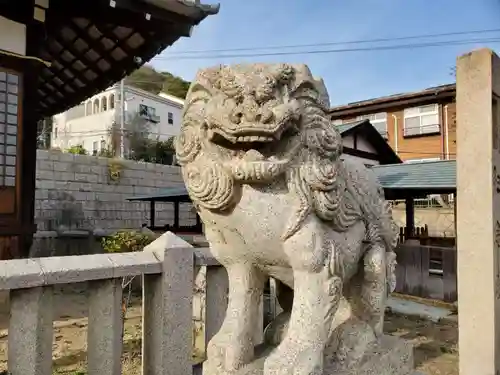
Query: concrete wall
x=75, y=192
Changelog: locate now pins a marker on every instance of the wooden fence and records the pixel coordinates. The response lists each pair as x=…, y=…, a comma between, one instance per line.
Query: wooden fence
x=418, y=232
x=427, y=271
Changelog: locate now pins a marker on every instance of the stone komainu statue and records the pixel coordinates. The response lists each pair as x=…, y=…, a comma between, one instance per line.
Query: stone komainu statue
x=261, y=162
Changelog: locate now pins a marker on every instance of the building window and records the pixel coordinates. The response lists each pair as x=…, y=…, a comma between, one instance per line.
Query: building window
x=96, y=106
x=112, y=101
x=104, y=104
x=88, y=110
x=55, y=133
x=9, y=101
x=103, y=145
x=170, y=118
x=144, y=110
x=94, y=148
x=421, y=120
x=378, y=120
x=149, y=113
x=337, y=122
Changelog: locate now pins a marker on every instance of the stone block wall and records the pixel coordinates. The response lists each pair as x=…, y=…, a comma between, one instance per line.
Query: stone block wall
x=75, y=192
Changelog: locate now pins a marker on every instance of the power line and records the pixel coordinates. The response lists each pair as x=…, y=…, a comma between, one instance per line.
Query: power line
x=340, y=50
x=360, y=41
x=344, y=50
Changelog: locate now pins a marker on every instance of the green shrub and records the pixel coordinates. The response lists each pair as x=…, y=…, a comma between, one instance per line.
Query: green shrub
x=126, y=241
x=77, y=150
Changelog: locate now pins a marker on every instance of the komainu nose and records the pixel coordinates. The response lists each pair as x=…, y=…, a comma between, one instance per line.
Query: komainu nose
x=250, y=109
x=237, y=115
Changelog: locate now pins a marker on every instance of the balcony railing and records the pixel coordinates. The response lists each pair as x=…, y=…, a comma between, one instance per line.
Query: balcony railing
x=413, y=131
x=154, y=118
x=149, y=117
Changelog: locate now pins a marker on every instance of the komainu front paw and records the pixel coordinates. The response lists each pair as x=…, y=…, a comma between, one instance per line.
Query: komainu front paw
x=215, y=358
x=226, y=354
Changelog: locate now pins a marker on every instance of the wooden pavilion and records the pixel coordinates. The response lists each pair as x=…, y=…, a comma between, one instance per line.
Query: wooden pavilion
x=53, y=55
x=176, y=196
x=408, y=181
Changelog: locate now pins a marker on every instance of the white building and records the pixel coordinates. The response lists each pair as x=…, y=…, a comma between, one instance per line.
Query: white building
x=89, y=123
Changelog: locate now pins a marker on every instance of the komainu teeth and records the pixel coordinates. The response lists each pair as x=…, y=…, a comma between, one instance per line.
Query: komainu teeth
x=254, y=138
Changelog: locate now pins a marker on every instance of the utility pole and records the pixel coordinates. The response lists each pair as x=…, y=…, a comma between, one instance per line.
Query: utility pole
x=122, y=118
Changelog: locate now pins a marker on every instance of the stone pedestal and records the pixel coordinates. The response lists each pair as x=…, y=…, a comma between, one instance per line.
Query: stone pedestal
x=392, y=356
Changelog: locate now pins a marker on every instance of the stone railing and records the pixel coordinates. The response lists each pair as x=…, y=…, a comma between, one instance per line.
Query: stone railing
x=167, y=305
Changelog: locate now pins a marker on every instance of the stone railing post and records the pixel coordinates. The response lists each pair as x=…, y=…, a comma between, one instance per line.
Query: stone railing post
x=30, y=331
x=105, y=327
x=167, y=315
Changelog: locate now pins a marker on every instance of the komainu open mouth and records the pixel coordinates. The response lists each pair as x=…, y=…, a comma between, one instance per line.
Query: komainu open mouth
x=246, y=140
x=224, y=139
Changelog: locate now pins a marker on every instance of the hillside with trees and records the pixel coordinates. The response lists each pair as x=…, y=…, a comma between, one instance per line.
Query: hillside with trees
x=149, y=79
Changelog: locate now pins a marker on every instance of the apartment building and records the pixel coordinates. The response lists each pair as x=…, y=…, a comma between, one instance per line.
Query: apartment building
x=89, y=123
x=418, y=125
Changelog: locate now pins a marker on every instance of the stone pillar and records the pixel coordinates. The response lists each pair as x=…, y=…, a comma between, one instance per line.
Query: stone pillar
x=478, y=212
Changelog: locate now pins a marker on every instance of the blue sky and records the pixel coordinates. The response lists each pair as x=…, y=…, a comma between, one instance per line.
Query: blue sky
x=349, y=76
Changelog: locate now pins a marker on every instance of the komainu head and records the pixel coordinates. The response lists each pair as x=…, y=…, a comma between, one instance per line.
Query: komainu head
x=249, y=123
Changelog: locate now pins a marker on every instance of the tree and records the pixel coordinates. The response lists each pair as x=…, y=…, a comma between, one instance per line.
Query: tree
x=107, y=152
x=146, y=78
x=136, y=134
x=175, y=86
x=137, y=137
x=44, y=133
x=163, y=152
x=149, y=79
x=138, y=143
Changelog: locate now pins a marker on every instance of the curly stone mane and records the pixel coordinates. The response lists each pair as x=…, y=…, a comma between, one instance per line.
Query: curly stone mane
x=309, y=161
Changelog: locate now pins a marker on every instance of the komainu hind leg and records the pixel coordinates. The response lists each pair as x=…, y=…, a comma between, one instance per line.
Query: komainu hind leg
x=366, y=293
x=369, y=288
